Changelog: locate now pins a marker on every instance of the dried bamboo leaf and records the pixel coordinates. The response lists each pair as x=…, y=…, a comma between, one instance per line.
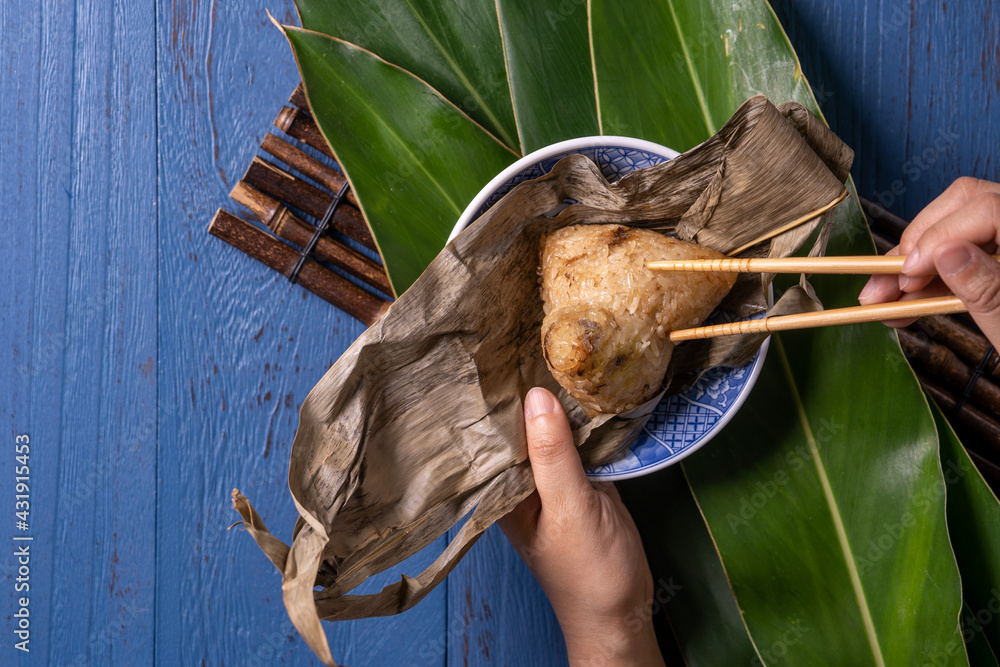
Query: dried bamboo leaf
x=420, y=421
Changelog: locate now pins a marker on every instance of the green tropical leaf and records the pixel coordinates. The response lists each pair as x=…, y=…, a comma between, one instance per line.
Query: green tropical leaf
x=830, y=524
x=822, y=472
x=691, y=592
x=667, y=61
x=413, y=158
x=453, y=45
x=673, y=72
x=974, y=523
x=547, y=50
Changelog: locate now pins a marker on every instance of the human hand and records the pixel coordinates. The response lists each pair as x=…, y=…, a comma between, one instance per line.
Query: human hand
x=952, y=238
x=583, y=547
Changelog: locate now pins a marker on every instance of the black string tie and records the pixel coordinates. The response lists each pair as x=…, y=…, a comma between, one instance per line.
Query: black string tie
x=306, y=252
x=979, y=370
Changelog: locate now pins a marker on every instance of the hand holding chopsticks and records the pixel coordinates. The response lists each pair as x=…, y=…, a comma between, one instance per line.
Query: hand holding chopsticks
x=947, y=240
x=950, y=243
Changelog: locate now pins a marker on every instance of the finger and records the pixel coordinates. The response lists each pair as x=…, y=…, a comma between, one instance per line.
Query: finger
x=935, y=288
x=555, y=463
x=911, y=284
x=976, y=221
x=958, y=194
x=881, y=288
x=974, y=277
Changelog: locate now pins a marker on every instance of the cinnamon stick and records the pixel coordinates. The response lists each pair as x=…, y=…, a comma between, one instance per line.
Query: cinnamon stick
x=989, y=470
x=300, y=125
x=328, y=177
x=941, y=363
x=887, y=222
x=284, y=187
x=882, y=243
x=970, y=419
x=315, y=277
x=288, y=226
x=298, y=98
x=967, y=343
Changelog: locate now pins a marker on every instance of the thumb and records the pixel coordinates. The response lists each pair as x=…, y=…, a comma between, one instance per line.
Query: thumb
x=974, y=277
x=555, y=463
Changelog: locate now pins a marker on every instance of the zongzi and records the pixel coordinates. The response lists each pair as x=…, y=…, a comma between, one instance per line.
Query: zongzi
x=605, y=336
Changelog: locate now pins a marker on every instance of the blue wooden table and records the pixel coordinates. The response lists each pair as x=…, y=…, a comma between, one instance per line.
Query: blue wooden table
x=151, y=368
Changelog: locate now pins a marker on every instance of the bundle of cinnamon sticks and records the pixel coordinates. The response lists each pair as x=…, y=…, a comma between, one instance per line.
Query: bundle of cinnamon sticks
x=289, y=201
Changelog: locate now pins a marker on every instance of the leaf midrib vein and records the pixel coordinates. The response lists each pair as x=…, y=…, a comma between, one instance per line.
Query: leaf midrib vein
x=402, y=144
x=463, y=79
x=593, y=67
x=706, y=114
x=838, y=522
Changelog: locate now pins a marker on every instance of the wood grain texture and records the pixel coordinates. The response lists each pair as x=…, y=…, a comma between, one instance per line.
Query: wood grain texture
x=278, y=256
x=33, y=300
x=241, y=348
x=89, y=232
x=912, y=87
x=497, y=613
x=155, y=367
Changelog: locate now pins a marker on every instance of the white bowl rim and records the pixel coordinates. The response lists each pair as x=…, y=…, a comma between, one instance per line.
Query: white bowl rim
x=650, y=147
x=546, y=152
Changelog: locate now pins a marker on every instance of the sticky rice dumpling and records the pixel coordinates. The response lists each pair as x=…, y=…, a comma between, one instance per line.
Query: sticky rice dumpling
x=608, y=317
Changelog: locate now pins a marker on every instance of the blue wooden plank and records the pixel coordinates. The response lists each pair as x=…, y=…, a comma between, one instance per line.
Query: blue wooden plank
x=90, y=321
x=954, y=89
x=19, y=320
x=106, y=502
x=497, y=612
x=912, y=87
x=240, y=348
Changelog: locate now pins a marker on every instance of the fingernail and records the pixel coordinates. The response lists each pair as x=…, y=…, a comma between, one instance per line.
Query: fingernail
x=903, y=282
x=953, y=260
x=868, y=290
x=911, y=260
x=539, y=402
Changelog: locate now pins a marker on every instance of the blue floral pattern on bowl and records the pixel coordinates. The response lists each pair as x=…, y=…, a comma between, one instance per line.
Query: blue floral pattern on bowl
x=682, y=423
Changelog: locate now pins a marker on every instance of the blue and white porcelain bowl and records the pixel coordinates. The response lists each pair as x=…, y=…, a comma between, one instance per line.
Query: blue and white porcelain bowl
x=680, y=424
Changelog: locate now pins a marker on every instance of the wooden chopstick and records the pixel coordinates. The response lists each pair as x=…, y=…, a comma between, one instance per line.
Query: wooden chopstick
x=864, y=264
x=942, y=305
